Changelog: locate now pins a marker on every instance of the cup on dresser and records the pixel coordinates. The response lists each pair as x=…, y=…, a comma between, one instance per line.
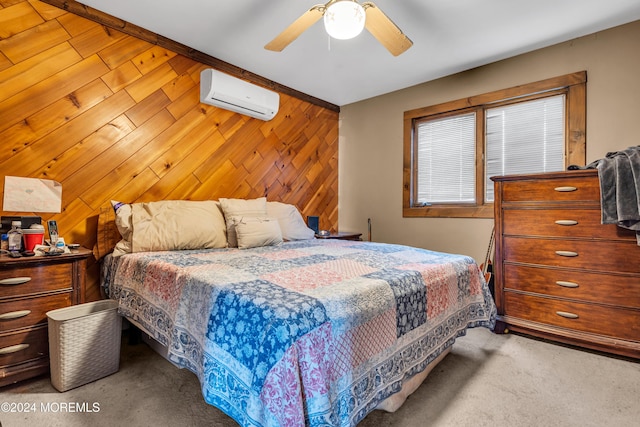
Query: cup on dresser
x=32, y=237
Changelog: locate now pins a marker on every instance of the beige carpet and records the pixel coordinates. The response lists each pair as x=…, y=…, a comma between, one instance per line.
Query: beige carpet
x=487, y=380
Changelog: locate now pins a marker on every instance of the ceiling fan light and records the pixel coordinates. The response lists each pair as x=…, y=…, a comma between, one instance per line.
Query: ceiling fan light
x=344, y=19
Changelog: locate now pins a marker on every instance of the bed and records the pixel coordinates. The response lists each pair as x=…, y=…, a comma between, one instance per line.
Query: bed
x=301, y=332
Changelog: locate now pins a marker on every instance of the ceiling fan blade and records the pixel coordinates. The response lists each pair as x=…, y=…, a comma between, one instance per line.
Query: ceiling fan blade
x=385, y=31
x=294, y=30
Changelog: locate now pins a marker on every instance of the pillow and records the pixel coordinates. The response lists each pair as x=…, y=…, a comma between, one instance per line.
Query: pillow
x=124, y=226
x=241, y=208
x=169, y=225
x=291, y=223
x=253, y=232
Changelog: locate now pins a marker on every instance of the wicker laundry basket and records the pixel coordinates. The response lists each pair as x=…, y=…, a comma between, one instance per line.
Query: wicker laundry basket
x=84, y=343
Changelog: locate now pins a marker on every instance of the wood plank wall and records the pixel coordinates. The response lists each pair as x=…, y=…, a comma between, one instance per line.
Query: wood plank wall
x=110, y=116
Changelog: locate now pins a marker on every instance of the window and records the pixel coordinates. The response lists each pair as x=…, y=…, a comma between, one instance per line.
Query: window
x=452, y=150
x=445, y=171
x=524, y=137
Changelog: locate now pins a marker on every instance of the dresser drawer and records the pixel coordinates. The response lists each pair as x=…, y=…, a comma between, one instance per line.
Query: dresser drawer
x=34, y=279
x=595, y=287
x=23, y=346
x=578, y=223
x=603, y=256
x=565, y=189
x=616, y=322
x=30, y=311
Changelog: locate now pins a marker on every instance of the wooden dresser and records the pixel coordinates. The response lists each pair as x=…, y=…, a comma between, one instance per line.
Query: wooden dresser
x=559, y=273
x=29, y=287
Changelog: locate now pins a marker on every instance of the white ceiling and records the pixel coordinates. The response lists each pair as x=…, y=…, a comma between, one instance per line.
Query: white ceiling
x=448, y=36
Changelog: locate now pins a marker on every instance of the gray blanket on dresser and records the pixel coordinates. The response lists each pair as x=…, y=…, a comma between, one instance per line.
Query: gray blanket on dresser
x=619, y=174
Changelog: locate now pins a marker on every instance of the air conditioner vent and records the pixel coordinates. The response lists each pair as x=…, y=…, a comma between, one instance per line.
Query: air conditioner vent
x=228, y=92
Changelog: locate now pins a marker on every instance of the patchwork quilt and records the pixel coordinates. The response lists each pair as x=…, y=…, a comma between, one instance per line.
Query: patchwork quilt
x=314, y=332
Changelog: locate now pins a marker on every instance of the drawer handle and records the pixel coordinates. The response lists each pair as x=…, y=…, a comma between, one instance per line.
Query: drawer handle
x=567, y=315
x=14, y=314
x=15, y=280
x=13, y=349
x=567, y=253
x=567, y=284
x=565, y=189
x=566, y=222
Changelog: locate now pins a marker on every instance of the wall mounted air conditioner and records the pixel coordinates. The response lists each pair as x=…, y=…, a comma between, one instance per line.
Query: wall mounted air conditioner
x=224, y=91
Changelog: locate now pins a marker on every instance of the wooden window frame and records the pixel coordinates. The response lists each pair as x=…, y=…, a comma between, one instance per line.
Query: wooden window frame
x=572, y=85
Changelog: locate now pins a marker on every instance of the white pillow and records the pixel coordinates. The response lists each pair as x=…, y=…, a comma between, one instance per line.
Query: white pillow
x=291, y=222
x=253, y=232
x=169, y=225
x=233, y=208
x=124, y=226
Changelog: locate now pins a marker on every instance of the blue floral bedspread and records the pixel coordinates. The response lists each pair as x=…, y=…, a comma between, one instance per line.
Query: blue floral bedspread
x=312, y=333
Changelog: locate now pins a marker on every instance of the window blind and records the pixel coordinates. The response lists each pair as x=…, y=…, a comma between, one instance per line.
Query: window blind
x=526, y=137
x=445, y=160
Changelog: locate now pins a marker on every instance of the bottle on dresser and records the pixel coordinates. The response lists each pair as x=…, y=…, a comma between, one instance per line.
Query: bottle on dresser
x=14, y=236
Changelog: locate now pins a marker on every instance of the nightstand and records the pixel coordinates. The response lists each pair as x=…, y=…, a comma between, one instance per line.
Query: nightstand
x=29, y=288
x=342, y=235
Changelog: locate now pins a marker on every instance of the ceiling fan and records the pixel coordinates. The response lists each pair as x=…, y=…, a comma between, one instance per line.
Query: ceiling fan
x=345, y=19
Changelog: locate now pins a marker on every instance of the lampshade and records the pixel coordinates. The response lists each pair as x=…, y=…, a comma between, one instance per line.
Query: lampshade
x=344, y=19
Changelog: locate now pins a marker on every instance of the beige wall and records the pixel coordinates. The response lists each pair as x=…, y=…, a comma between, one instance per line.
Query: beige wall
x=371, y=133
